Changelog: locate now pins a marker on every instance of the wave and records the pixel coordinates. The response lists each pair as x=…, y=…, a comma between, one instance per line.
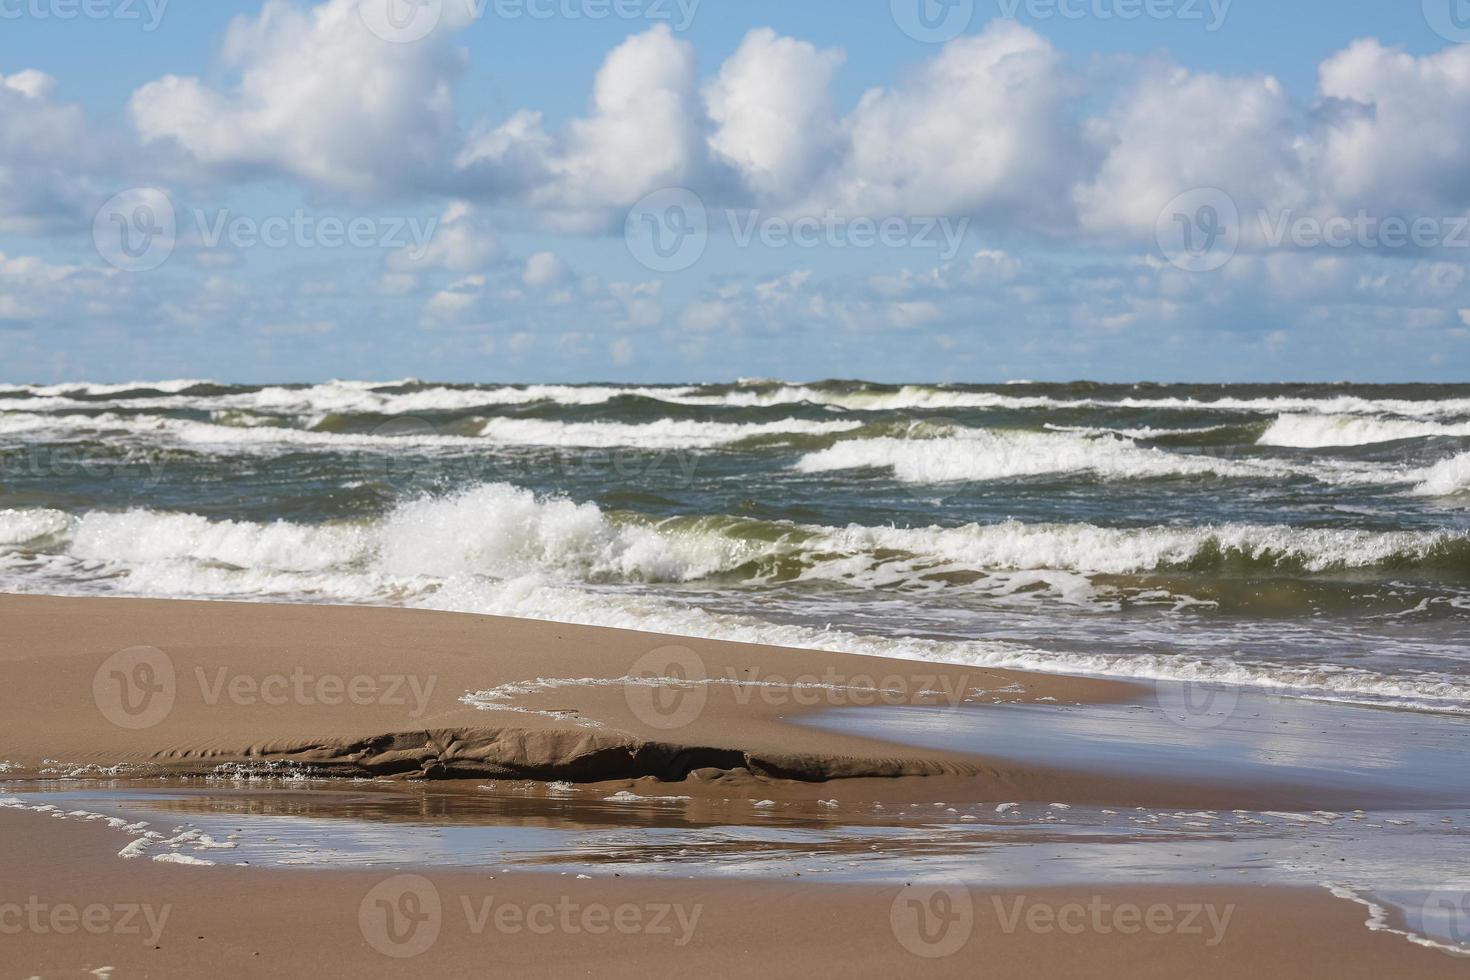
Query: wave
x=500, y=549
x=410, y=397
x=503, y=531
x=663, y=434
x=1446, y=479
x=1322, y=431
x=234, y=432
x=981, y=454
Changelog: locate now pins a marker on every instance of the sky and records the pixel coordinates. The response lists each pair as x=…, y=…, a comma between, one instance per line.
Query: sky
x=705, y=190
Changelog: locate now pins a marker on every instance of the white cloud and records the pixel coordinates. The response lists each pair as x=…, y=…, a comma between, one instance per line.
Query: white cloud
x=462, y=241
x=544, y=269
x=47, y=149
x=454, y=299
x=1398, y=134
x=979, y=129
x=1175, y=131
x=642, y=135
x=319, y=98
x=772, y=109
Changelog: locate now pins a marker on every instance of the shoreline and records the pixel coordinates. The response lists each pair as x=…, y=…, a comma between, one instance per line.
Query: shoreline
x=142, y=687
x=169, y=919
x=109, y=696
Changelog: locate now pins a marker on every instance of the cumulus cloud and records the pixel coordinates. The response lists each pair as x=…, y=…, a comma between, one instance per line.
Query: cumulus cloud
x=773, y=115
x=544, y=269
x=979, y=129
x=1398, y=133
x=319, y=98
x=48, y=154
x=642, y=135
x=462, y=241
x=1174, y=131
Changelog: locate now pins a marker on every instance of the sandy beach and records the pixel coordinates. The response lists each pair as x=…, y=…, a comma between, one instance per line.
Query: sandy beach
x=123, y=696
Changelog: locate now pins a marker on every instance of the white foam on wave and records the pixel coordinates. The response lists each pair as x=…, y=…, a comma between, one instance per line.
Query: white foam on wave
x=1322, y=431
x=87, y=388
x=23, y=526
x=364, y=396
x=502, y=531
x=920, y=397
x=1445, y=479
x=663, y=434
x=501, y=550
x=1088, y=549
x=981, y=454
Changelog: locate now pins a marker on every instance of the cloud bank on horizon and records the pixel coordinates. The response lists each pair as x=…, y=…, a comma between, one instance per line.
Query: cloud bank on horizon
x=327, y=198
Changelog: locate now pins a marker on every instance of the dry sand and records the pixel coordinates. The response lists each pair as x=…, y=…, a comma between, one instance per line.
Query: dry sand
x=186, y=687
x=181, y=688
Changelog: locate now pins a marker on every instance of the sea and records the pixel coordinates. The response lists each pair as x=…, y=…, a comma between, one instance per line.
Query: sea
x=1312, y=541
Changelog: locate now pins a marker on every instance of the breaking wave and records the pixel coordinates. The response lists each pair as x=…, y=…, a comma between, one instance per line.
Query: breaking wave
x=1321, y=431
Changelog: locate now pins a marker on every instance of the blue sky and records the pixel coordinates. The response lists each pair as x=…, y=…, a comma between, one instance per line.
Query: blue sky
x=1211, y=191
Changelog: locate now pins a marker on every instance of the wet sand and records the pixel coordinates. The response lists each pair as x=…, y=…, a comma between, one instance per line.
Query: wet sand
x=244, y=922
x=148, y=693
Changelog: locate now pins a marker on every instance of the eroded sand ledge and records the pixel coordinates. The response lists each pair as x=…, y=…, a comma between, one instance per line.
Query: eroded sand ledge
x=553, y=755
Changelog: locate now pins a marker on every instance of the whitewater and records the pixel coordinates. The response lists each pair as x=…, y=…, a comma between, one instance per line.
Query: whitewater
x=1311, y=540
